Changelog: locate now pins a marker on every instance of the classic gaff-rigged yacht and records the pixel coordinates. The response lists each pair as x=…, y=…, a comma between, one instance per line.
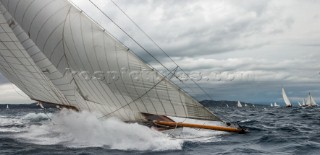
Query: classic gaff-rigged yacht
x=46, y=44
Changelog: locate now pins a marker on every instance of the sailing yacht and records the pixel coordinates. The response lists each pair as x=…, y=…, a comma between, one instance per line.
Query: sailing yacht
x=271, y=105
x=7, y=106
x=310, y=101
x=239, y=104
x=47, y=45
x=286, y=99
x=276, y=105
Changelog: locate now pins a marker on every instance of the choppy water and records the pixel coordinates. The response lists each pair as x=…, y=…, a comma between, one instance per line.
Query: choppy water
x=272, y=131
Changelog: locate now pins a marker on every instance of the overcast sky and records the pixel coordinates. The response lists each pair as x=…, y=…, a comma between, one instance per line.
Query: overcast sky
x=249, y=48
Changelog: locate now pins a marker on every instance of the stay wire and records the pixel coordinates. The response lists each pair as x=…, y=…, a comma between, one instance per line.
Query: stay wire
x=95, y=5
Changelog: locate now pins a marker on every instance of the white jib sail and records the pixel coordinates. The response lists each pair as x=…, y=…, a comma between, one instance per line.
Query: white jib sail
x=58, y=41
x=285, y=98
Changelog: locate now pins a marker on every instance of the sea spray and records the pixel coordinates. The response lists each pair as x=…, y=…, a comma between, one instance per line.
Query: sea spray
x=84, y=129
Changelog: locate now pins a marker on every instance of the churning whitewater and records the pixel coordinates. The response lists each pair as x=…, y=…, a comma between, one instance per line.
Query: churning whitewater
x=83, y=129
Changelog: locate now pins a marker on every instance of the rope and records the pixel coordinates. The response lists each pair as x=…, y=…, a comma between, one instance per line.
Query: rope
x=95, y=5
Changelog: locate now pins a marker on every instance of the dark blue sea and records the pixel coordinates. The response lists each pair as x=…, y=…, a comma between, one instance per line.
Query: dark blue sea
x=282, y=131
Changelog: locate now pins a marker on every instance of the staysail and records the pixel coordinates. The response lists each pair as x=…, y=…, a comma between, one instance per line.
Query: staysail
x=56, y=53
x=286, y=99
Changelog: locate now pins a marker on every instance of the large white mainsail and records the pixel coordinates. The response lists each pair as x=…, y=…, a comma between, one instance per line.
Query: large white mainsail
x=55, y=35
x=286, y=99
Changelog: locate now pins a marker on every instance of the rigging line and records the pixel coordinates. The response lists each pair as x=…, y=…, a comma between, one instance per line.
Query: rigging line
x=14, y=88
x=133, y=101
x=126, y=46
x=95, y=5
x=150, y=40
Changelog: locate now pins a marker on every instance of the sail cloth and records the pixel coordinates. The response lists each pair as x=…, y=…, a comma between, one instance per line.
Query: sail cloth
x=310, y=101
x=62, y=42
x=285, y=98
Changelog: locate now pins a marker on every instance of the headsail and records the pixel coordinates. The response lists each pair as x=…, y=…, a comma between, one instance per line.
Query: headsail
x=285, y=98
x=55, y=35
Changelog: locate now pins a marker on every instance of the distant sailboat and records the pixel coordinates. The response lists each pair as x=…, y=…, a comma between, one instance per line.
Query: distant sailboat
x=253, y=105
x=271, y=105
x=239, y=104
x=227, y=105
x=300, y=105
x=286, y=99
x=310, y=101
x=7, y=106
x=245, y=105
x=276, y=105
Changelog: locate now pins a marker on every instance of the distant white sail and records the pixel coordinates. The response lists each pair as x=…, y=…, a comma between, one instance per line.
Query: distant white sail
x=253, y=105
x=276, y=105
x=245, y=105
x=286, y=99
x=227, y=105
x=303, y=102
x=300, y=105
x=239, y=104
x=271, y=104
x=7, y=106
x=310, y=101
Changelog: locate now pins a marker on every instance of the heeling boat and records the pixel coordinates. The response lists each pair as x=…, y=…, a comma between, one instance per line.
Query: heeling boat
x=285, y=98
x=310, y=101
x=45, y=47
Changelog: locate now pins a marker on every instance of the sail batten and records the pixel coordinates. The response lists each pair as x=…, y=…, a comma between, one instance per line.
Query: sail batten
x=55, y=35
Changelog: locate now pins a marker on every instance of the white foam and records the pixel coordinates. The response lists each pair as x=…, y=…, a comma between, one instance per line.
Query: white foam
x=84, y=129
x=37, y=116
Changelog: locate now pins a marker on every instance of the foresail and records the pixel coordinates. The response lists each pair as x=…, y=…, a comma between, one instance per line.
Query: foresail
x=94, y=71
x=20, y=69
x=285, y=98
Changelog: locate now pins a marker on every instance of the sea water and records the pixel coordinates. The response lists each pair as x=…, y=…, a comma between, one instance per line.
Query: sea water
x=271, y=131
